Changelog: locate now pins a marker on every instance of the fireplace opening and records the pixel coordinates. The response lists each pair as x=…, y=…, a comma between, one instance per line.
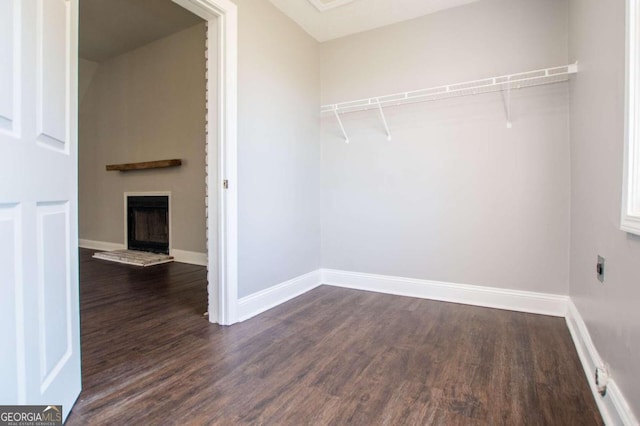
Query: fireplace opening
x=148, y=223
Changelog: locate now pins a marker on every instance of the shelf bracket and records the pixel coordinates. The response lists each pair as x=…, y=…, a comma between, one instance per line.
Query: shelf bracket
x=506, y=98
x=384, y=120
x=346, y=137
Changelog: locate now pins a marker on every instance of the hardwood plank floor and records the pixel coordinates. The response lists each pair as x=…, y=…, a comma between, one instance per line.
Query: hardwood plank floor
x=331, y=356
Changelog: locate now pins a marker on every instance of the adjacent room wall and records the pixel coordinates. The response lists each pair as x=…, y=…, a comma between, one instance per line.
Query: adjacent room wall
x=610, y=310
x=278, y=148
x=86, y=70
x=144, y=105
x=455, y=196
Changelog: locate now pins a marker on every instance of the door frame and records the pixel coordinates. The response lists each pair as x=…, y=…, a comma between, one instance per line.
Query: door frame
x=222, y=272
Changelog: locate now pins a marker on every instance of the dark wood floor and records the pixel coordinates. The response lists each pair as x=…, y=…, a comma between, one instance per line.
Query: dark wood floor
x=331, y=356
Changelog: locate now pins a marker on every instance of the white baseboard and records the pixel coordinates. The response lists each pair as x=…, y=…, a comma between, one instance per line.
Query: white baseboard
x=190, y=257
x=183, y=256
x=257, y=303
x=100, y=245
x=613, y=406
x=490, y=297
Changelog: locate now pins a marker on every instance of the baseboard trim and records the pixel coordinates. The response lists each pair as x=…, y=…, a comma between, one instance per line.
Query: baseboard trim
x=613, y=406
x=490, y=297
x=257, y=303
x=190, y=257
x=182, y=256
x=100, y=245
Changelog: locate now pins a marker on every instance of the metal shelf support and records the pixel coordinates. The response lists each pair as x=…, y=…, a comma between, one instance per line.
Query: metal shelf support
x=384, y=120
x=346, y=137
x=506, y=98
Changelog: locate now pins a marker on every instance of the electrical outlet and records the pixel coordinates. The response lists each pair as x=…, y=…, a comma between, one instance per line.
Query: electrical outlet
x=600, y=269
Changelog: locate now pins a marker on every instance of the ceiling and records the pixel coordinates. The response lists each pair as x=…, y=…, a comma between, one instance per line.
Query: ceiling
x=357, y=15
x=110, y=28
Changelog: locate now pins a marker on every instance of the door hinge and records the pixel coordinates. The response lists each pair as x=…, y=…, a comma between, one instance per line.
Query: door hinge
x=225, y=184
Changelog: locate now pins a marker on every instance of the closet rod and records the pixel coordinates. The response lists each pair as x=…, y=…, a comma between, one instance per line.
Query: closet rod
x=487, y=85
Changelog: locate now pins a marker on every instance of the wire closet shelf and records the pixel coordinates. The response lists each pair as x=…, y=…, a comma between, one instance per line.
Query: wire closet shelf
x=487, y=85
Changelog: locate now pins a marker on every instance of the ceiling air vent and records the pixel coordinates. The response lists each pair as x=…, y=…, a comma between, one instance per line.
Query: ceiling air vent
x=323, y=5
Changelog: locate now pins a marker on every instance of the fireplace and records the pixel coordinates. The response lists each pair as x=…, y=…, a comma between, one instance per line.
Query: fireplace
x=148, y=223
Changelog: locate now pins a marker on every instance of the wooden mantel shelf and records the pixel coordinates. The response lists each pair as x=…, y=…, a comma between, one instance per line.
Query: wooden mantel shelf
x=144, y=166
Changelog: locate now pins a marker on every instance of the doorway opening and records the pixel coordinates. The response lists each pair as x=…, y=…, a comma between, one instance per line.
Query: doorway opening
x=142, y=75
x=218, y=22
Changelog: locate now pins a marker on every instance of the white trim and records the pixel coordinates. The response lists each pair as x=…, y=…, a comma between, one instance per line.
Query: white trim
x=190, y=257
x=490, y=297
x=257, y=303
x=613, y=406
x=630, y=212
x=182, y=256
x=100, y=245
x=223, y=272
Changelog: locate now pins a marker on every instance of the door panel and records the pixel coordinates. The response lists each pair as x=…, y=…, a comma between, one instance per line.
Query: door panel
x=54, y=291
x=38, y=203
x=10, y=285
x=8, y=49
x=53, y=28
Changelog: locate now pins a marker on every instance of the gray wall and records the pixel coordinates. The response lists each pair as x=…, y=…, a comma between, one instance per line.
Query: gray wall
x=148, y=104
x=597, y=40
x=278, y=148
x=86, y=70
x=486, y=38
x=455, y=196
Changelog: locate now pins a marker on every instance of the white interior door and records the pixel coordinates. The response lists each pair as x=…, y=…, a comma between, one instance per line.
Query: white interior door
x=39, y=312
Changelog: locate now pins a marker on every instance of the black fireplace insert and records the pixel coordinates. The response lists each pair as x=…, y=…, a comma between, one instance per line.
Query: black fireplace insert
x=148, y=223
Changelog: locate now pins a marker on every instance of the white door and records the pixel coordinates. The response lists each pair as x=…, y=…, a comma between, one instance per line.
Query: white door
x=39, y=306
